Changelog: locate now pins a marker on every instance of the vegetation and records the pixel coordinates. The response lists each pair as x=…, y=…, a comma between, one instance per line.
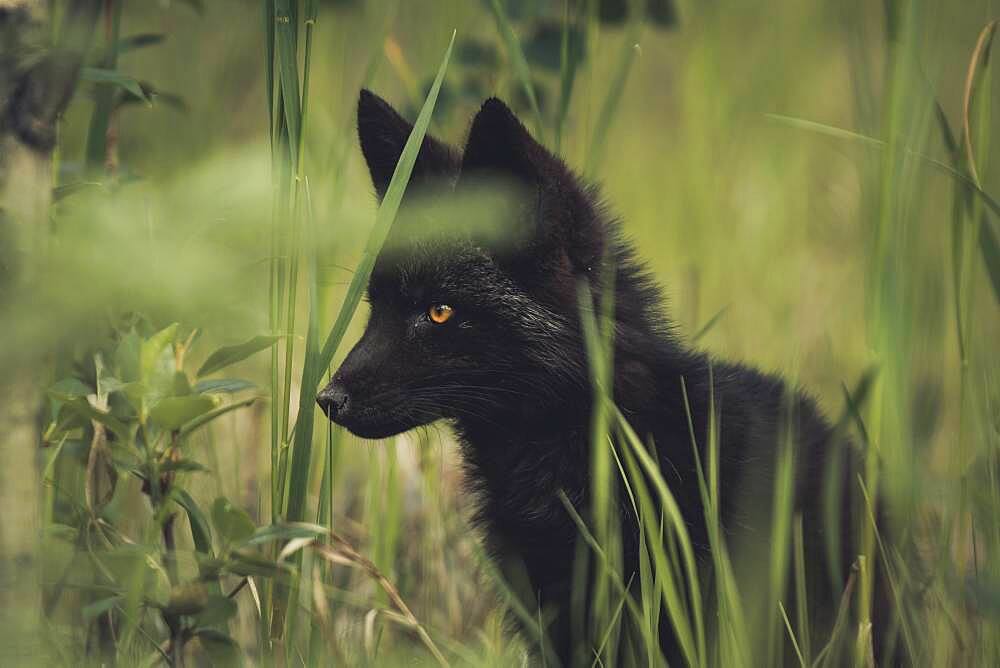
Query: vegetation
x=813, y=182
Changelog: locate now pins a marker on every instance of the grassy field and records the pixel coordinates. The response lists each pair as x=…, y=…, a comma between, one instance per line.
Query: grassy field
x=813, y=183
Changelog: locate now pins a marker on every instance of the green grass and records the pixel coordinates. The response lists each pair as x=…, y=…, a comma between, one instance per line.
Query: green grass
x=813, y=184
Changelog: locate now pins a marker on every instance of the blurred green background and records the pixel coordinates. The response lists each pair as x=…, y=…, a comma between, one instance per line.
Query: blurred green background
x=802, y=251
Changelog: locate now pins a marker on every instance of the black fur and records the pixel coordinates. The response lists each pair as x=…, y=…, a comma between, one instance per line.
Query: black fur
x=509, y=370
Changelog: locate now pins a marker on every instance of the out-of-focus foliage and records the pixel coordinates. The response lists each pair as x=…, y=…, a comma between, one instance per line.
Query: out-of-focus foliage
x=858, y=240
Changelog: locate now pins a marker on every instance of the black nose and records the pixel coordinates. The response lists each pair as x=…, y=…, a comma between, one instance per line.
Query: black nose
x=333, y=400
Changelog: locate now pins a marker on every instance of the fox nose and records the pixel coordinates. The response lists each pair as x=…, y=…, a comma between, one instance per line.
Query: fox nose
x=333, y=400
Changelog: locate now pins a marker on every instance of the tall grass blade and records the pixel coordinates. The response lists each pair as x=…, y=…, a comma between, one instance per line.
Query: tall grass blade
x=384, y=218
x=520, y=63
x=693, y=644
x=986, y=245
x=612, y=100
x=286, y=47
x=978, y=66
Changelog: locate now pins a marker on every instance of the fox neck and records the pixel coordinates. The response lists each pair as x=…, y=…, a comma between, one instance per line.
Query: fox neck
x=521, y=454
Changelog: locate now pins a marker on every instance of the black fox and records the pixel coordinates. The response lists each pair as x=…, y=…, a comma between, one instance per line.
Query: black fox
x=487, y=335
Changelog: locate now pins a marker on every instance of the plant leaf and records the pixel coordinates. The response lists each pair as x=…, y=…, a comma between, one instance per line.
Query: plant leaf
x=285, y=531
x=205, y=418
x=222, y=650
x=516, y=55
x=183, y=466
x=232, y=522
x=218, y=610
x=222, y=386
x=139, y=41
x=249, y=564
x=115, y=78
x=97, y=608
x=228, y=355
x=172, y=413
x=201, y=532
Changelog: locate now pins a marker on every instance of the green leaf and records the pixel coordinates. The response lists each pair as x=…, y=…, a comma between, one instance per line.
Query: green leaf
x=228, y=355
x=69, y=388
x=182, y=386
x=127, y=357
x=286, y=43
x=183, y=466
x=218, y=610
x=315, y=364
x=97, y=608
x=285, y=531
x=115, y=78
x=82, y=408
x=232, y=522
x=157, y=368
x=712, y=322
x=250, y=564
x=201, y=532
x=172, y=413
x=205, y=418
x=151, y=353
x=223, y=386
x=140, y=41
x=63, y=532
x=383, y=221
x=991, y=255
x=219, y=648
x=60, y=193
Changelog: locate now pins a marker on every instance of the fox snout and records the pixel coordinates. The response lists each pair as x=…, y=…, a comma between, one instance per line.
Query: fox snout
x=334, y=400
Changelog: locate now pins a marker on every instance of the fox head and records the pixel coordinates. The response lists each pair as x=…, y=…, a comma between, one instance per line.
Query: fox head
x=466, y=324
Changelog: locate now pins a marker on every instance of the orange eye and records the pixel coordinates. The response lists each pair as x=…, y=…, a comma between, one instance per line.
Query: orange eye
x=440, y=313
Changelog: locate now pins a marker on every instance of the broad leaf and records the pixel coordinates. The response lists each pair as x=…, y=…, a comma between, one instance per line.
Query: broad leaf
x=172, y=413
x=218, y=610
x=228, y=355
x=232, y=522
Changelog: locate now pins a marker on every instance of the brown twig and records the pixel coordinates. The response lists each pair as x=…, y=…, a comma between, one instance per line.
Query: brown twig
x=342, y=552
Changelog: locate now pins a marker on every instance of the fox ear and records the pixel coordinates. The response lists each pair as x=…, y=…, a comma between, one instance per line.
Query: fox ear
x=558, y=229
x=499, y=145
x=383, y=133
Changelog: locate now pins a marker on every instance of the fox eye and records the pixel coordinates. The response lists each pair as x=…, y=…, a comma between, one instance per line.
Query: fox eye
x=440, y=313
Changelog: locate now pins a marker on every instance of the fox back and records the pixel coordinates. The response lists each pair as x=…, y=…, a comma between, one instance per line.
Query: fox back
x=484, y=330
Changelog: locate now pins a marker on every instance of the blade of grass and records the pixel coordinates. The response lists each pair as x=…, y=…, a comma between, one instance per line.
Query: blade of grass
x=735, y=645
x=568, y=67
x=791, y=635
x=694, y=645
x=612, y=100
x=286, y=46
x=312, y=372
x=977, y=64
x=712, y=322
x=988, y=236
x=384, y=219
x=801, y=602
x=520, y=63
